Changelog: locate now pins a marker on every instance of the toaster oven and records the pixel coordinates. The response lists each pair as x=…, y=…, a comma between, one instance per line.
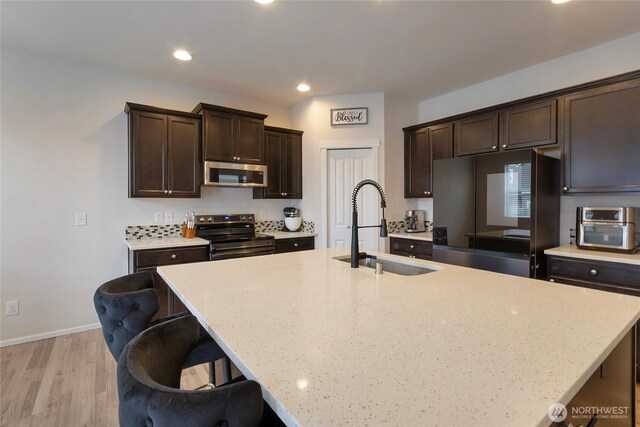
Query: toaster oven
x=606, y=229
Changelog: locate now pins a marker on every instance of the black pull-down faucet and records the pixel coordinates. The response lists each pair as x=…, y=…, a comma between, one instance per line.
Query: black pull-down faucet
x=354, y=225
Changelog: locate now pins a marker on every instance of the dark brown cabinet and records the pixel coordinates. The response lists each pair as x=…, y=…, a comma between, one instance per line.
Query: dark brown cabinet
x=529, y=125
x=602, y=275
x=164, y=152
x=149, y=259
x=411, y=248
x=283, y=149
x=601, y=149
x=295, y=244
x=476, y=134
x=230, y=135
x=421, y=147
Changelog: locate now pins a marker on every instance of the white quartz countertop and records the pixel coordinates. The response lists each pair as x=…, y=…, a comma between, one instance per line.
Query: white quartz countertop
x=574, y=252
x=288, y=235
x=165, y=242
x=332, y=345
x=427, y=236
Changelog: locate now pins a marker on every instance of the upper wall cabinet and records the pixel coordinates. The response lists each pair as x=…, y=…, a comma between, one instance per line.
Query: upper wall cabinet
x=525, y=125
x=529, y=125
x=421, y=147
x=231, y=135
x=601, y=150
x=477, y=134
x=164, y=152
x=283, y=149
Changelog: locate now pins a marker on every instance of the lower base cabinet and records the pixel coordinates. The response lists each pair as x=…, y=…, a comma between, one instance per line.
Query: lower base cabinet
x=601, y=275
x=150, y=259
x=295, y=244
x=411, y=248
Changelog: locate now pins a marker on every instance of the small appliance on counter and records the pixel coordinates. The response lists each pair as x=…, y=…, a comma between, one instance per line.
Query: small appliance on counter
x=292, y=219
x=610, y=229
x=414, y=221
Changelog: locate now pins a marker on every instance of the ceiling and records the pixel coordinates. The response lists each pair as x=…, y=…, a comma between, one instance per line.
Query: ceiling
x=416, y=49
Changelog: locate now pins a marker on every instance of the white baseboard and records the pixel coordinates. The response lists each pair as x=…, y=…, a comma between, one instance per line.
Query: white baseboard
x=38, y=337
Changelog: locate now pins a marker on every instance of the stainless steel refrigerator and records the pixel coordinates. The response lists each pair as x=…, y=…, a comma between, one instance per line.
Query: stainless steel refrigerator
x=497, y=212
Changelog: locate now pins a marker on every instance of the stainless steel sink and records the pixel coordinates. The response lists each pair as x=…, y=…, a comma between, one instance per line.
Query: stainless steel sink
x=387, y=265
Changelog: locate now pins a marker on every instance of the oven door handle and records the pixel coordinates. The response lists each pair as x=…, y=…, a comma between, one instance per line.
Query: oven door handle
x=238, y=253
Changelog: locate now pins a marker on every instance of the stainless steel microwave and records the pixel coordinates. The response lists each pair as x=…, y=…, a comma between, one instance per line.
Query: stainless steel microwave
x=220, y=174
x=606, y=229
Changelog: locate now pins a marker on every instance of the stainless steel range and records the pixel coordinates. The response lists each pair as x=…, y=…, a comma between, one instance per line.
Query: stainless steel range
x=233, y=236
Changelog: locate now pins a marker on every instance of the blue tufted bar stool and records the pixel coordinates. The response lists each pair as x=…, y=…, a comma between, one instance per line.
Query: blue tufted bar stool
x=149, y=380
x=125, y=307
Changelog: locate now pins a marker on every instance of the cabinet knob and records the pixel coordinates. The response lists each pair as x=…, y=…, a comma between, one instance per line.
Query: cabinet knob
x=173, y=256
x=170, y=191
x=565, y=188
x=286, y=194
x=493, y=147
x=552, y=280
x=412, y=246
x=429, y=193
x=295, y=245
x=594, y=272
x=426, y=192
x=166, y=191
x=504, y=145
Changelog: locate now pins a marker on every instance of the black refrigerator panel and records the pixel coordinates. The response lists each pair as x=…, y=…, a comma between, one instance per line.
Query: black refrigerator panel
x=504, y=201
x=454, y=200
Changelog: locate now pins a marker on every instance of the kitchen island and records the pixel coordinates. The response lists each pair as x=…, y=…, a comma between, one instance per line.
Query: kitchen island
x=332, y=345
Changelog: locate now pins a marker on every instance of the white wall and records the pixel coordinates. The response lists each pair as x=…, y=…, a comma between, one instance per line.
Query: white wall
x=615, y=57
x=313, y=116
x=64, y=150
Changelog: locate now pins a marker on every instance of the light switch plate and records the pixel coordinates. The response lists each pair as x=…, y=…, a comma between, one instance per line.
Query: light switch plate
x=158, y=217
x=168, y=217
x=81, y=219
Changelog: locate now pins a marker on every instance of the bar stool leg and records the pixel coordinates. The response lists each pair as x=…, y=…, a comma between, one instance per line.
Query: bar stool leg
x=212, y=373
x=226, y=369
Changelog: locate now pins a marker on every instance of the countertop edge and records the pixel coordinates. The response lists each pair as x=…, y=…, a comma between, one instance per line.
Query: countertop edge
x=570, y=251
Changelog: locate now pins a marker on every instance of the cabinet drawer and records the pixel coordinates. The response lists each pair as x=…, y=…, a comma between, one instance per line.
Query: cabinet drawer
x=157, y=257
x=294, y=245
x=595, y=272
x=408, y=247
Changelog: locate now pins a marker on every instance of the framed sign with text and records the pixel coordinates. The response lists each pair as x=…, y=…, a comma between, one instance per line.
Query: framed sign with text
x=349, y=116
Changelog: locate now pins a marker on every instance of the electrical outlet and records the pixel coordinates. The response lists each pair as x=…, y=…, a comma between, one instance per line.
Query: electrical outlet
x=168, y=217
x=158, y=217
x=81, y=219
x=13, y=308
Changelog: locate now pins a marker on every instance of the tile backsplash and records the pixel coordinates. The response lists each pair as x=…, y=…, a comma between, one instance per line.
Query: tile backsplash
x=137, y=232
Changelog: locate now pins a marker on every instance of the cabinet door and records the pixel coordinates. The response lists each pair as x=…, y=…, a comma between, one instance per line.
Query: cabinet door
x=529, y=125
x=249, y=142
x=476, y=135
x=273, y=149
x=292, y=173
x=147, y=154
x=601, y=147
x=416, y=163
x=218, y=136
x=185, y=167
x=441, y=147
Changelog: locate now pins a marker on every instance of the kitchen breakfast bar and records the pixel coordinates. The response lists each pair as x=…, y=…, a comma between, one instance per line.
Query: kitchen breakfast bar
x=332, y=345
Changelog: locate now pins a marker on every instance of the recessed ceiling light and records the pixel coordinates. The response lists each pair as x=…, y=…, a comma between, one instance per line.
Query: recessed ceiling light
x=559, y=1
x=182, y=55
x=303, y=87
x=264, y=1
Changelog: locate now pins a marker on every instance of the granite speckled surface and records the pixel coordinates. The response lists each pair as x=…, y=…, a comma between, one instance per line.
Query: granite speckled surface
x=332, y=345
x=165, y=242
x=572, y=251
x=427, y=236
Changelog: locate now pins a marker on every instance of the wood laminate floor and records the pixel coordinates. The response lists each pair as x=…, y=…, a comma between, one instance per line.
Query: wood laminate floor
x=65, y=381
x=70, y=381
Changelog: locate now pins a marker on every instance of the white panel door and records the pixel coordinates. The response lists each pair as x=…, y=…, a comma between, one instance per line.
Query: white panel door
x=346, y=169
